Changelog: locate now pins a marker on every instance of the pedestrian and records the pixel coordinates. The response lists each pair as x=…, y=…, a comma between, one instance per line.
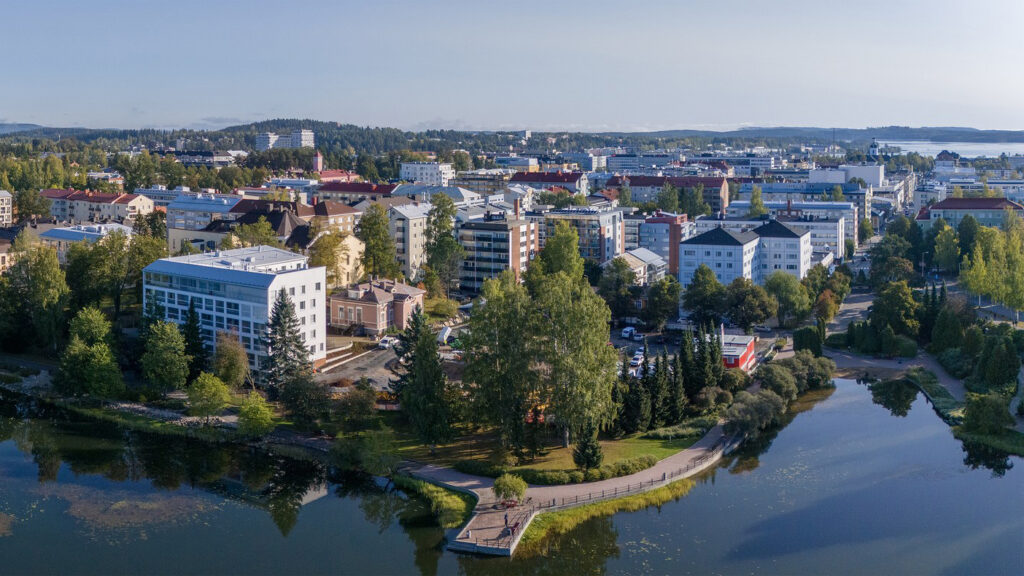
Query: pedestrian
x=506, y=519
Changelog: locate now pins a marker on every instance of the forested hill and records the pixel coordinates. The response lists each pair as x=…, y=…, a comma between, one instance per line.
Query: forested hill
x=348, y=139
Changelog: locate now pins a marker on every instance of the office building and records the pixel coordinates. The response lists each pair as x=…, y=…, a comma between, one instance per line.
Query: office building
x=493, y=244
x=430, y=173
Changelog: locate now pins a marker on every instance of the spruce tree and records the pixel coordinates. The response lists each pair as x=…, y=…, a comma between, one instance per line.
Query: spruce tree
x=637, y=409
x=647, y=381
x=587, y=454
x=659, y=392
x=715, y=356
x=194, y=346
x=287, y=356
x=677, y=392
x=423, y=387
x=688, y=364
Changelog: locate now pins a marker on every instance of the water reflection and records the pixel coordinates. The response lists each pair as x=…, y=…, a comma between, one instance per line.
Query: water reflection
x=895, y=395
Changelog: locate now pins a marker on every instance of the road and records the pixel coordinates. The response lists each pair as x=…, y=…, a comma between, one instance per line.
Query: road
x=372, y=365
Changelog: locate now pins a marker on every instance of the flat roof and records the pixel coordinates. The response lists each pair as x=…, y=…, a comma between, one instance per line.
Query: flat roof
x=253, y=266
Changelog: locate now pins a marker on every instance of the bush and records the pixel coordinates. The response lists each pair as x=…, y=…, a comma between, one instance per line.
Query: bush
x=986, y=414
x=9, y=378
x=954, y=362
x=906, y=347
x=690, y=427
x=836, y=340
x=509, y=487
x=807, y=338
x=254, y=416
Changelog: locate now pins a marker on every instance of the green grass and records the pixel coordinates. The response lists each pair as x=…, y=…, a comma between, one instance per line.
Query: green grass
x=944, y=403
x=560, y=522
x=1009, y=441
x=437, y=309
x=142, y=423
x=451, y=508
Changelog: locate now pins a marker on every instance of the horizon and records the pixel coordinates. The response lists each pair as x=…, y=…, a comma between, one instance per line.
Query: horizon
x=571, y=67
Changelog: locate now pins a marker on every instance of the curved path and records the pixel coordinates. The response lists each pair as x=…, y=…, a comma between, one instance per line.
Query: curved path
x=485, y=532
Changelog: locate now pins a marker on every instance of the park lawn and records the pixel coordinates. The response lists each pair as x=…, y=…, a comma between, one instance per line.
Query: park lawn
x=480, y=445
x=432, y=307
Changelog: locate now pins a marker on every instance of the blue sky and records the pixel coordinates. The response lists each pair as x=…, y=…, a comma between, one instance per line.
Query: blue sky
x=596, y=65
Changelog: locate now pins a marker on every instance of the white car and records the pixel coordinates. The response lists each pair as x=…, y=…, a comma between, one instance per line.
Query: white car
x=387, y=342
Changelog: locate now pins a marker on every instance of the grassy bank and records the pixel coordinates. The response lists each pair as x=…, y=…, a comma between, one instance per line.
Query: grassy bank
x=947, y=407
x=451, y=508
x=559, y=522
x=151, y=425
x=1009, y=441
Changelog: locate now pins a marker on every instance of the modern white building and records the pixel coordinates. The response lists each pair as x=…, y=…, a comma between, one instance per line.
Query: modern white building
x=297, y=139
x=827, y=234
x=871, y=174
x=234, y=291
x=848, y=211
x=409, y=229
x=784, y=248
x=6, y=209
x=430, y=173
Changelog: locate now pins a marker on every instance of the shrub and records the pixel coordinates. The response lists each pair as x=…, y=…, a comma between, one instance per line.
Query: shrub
x=254, y=416
x=479, y=468
x=509, y=487
x=587, y=453
x=986, y=414
x=954, y=361
x=807, y=338
x=906, y=347
x=837, y=340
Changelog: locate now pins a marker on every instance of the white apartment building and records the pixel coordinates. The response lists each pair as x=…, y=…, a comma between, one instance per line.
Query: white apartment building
x=303, y=139
x=755, y=254
x=61, y=239
x=234, y=291
x=6, y=209
x=730, y=255
x=848, y=211
x=298, y=139
x=160, y=195
x=409, y=229
x=194, y=211
x=827, y=234
x=430, y=173
x=266, y=141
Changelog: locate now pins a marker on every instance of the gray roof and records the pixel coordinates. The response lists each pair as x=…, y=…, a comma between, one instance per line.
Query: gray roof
x=776, y=229
x=723, y=237
x=204, y=203
x=87, y=233
x=413, y=211
x=426, y=191
x=240, y=266
x=648, y=257
x=5, y=194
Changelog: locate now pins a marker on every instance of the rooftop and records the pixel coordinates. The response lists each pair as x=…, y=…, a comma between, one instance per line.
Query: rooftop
x=548, y=177
x=88, y=233
x=976, y=204
x=255, y=265
x=723, y=237
x=776, y=229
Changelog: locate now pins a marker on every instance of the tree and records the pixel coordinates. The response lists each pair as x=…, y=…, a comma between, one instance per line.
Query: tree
x=195, y=348
x=443, y=251
x=84, y=272
x=164, y=362
x=153, y=225
x=207, y=395
x=379, y=256
x=500, y=356
x=230, y=362
x=837, y=194
x=825, y=307
x=36, y=291
x=748, y=304
x=895, y=306
x=509, y=487
x=659, y=386
x=791, y=295
x=704, y=298
x=948, y=331
x=757, y=207
x=259, y=233
x=751, y=414
x=636, y=408
x=423, y=387
x=87, y=365
x=573, y=327
x=779, y=380
x=967, y=232
x=123, y=259
x=30, y=204
x=255, y=418
x=668, y=198
x=662, y=302
x=304, y=399
x=865, y=231
x=561, y=252
x=287, y=356
x=325, y=251
x=617, y=280
x=986, y=414
x=358, y=407
x=587, y=454
x=947, y=251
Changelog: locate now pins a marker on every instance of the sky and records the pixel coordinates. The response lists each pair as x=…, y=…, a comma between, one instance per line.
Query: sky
x=499, y=64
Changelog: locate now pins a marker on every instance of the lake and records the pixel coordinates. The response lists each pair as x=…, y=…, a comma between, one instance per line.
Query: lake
x=856, y=482
x=966, y=149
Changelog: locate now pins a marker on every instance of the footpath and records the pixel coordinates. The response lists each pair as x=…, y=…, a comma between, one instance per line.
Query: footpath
x=486, y=532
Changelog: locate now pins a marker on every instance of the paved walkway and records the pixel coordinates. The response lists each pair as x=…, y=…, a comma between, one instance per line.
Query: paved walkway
x=848, y=361
x=486, y=531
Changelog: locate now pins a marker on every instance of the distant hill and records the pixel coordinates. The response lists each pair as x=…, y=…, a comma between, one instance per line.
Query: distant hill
x=8, y=128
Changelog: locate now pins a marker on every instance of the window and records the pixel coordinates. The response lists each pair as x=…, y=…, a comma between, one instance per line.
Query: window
x=303, y=288
x=291, y=291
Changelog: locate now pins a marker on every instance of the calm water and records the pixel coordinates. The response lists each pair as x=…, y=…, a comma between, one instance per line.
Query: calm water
x=966, y=149
x=855, y=483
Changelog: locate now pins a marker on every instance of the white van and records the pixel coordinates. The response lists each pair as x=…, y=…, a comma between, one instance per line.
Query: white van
x=628, y=332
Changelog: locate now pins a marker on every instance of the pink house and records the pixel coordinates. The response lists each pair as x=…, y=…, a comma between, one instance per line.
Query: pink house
x=376, y=306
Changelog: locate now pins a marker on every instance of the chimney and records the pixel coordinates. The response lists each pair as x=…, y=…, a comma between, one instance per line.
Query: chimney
x=516, y=203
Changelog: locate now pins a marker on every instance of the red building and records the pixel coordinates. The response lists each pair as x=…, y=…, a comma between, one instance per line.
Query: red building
x=739, y=352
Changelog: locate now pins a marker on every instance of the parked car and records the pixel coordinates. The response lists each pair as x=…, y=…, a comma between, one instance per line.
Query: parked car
x=638, y=337
x=635, y=362
x=386, y=342
x=762, y=329
x=628, y=332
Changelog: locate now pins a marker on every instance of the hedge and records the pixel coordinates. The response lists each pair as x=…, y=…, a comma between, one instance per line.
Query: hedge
x=558, y=477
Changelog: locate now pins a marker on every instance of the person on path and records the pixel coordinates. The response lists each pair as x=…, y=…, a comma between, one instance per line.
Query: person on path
x=506, y=519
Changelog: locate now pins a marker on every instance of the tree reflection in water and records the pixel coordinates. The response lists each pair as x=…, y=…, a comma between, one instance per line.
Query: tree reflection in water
x=895, y=395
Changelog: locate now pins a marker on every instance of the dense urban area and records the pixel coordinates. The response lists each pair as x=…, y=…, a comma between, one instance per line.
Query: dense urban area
x=526, y=330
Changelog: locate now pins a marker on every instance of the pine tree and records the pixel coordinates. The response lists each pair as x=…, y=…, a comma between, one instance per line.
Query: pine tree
x=194, y=346
x=287, y=356
x=423, y=388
